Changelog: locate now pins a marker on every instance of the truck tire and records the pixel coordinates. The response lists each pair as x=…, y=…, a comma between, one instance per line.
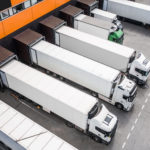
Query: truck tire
x=69, y=124
x=94, y=94
x=61, y=78
x=119, y=106
x=97, y=139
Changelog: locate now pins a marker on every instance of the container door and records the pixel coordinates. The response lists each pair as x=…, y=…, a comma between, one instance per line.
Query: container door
x=105, y=5
x=3, y=79
x=57, y=39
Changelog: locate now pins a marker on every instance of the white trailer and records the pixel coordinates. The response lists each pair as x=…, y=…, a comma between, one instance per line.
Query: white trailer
x=78, y=108
x=107, y=16
x=128, y=9
x=90, y=8
x=103, y=80
x=111, y=54
x=18, y=132
x=100, y=28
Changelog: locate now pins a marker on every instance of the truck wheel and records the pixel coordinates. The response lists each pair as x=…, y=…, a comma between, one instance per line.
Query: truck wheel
x=119, y=106
x=97, y=139
x=61, y=78
x=94, y=94
x=69, y=124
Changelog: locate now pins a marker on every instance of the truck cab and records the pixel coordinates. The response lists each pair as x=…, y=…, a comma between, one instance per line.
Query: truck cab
x=102, y=124
x=116, y=35
x=124, y=93
x=140, y=69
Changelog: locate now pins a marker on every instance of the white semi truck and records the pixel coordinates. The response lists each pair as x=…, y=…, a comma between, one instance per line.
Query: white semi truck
x=127, y=9
x=102, y=81
x=100, y=28
x=18, y=132
x=111, y=54
x=76, y=107
x=90, y=8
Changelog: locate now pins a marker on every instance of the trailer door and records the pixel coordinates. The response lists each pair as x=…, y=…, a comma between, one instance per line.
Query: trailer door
x=3, y=79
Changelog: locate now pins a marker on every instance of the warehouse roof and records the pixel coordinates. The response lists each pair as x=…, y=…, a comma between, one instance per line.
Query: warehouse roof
x=28, y=36
x=87, y=2
x=52, y=22
x=71, y=10
x=4, y=54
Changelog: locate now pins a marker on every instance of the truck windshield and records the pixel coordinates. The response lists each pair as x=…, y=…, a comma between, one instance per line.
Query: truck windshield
x=133, y=94
x=94, y=111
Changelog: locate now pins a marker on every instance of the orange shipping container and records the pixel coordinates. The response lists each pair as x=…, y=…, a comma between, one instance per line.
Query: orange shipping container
x=1, y=30
x=60, y=2
x=15, y=2
x=43, y=8
x=17, y=21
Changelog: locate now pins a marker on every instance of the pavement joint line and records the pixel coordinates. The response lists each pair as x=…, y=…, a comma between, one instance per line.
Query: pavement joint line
x=136, y=120
x=124, y=144
x=132, y=128
x=128, y=136
x=143, y=107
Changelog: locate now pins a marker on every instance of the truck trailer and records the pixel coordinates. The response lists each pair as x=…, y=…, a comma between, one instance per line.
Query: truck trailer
x=102, y=81
x=127, y=9
x=103, y=51
x=18, y=132
x=76, y=107
x=100, y=28
x=90, y=8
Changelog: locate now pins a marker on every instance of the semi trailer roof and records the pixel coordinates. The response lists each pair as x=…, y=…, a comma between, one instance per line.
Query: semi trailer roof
x=98, y=42
x=97, y=69
x=103, y=13
x=18, y=132
x=132, y=4
x=52, y=88
x=95, y=22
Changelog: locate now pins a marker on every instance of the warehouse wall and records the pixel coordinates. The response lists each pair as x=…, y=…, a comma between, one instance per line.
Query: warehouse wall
x=14, y=22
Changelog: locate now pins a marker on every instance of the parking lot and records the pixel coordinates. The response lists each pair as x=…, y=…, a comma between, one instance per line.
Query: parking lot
x=133, y=132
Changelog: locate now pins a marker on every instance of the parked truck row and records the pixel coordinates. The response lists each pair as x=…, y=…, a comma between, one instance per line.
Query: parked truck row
x=76, y=107
x=123, y=58
x=102, y=81
x=18, y=132
x=107, y=30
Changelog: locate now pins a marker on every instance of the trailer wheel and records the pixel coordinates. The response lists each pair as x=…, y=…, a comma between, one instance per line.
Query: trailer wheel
x=97, y=139
x=61, y=78
x=119, y=106
x=94, y=94
x=69, y=124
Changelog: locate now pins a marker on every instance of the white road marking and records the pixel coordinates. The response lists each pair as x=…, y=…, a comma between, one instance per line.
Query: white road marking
x=139, y=114
x=136, y=120
x=146, y=100
x=128, y=136
x=143, y=107
x=124, y=144
x=132, y=128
